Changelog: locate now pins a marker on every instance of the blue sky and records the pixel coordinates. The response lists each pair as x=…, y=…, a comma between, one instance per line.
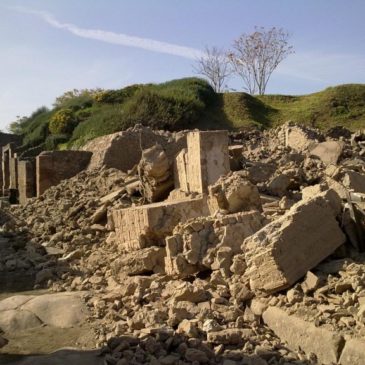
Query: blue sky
x=50, y=46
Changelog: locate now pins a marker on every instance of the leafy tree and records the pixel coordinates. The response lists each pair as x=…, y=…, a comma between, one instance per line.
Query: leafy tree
x=255, y=56
x=16, y=127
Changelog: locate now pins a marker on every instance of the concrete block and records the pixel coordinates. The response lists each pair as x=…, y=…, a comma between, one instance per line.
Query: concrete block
x=148, y=225
x=299, y=334
x=284, y=250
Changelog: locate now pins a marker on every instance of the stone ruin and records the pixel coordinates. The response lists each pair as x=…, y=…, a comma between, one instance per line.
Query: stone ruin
x=258, y=219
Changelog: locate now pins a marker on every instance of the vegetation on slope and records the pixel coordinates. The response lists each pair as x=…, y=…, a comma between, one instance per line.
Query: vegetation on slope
x=79, y=116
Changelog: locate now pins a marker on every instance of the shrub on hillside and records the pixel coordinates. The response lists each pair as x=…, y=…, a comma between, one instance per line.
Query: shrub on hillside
x=52, y=141
x=105, y=119
x=76, y=99
x=116, y=96
x=35, y=130
x=62, y=122
x=160, y=111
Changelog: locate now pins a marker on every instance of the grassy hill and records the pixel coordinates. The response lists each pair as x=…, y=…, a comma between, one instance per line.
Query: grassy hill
x=185, y=103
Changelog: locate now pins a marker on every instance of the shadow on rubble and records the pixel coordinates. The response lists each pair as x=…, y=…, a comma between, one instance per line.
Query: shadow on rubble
x=24, y=264
x=161, y=347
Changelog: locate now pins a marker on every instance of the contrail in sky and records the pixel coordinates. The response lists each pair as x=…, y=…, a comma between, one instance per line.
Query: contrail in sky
x=120, y=39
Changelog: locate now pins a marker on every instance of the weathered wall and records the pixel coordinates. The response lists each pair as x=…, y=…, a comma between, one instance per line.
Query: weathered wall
x=54, y=166
x=8, y=152
x=5, y=139
x=13, y=170
x=26, y=180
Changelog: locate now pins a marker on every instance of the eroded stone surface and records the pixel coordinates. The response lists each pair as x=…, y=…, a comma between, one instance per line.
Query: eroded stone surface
x=284, y=250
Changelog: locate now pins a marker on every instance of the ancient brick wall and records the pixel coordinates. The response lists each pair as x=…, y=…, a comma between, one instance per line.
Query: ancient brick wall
x=55, y=166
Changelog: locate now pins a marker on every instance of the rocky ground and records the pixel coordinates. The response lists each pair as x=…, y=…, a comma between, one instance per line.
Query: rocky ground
x=218, y=309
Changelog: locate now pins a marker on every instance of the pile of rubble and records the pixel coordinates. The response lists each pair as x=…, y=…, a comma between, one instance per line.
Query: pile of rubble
x=258, y=266
x=67, y=223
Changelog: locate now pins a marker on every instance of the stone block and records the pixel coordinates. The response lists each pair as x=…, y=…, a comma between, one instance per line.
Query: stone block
x=54, y=166
x=299, y=334
x=284, y=250
x=353, y=353
x=300, y=138
x=328, y=152
x=148, y=225
x=204, y=162
x=26, y=180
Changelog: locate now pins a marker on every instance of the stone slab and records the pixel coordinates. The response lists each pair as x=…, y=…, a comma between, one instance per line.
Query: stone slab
x=299, y=334
x=148, y=225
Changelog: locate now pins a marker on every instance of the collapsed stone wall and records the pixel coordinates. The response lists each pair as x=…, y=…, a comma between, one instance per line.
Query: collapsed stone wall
x=215, y=278
x=53, y=167
x=123, y=150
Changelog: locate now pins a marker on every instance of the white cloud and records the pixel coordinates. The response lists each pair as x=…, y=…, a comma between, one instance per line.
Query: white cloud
x=116, y=38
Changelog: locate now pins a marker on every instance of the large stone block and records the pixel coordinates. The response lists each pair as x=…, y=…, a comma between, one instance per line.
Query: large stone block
x=328, y=152
x=299, y=334
x=54, y=166
x=353, y=353
x=300, y=138
x=283, y=251
x=26, y=180
x=148, y=225
x=204, y=162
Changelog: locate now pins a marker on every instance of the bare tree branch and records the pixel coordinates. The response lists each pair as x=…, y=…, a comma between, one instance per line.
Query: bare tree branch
x=255, y=56
x=215, y=66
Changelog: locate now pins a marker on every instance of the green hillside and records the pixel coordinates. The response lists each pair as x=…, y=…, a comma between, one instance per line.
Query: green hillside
x=180, y=104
